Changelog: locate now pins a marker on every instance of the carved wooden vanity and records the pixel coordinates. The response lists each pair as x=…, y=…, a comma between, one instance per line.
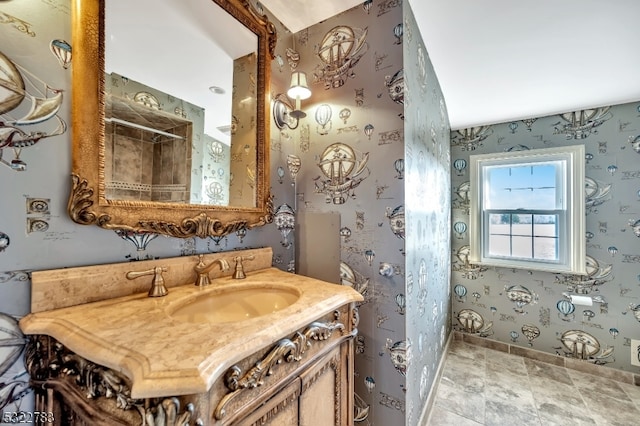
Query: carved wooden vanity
x=113, y=361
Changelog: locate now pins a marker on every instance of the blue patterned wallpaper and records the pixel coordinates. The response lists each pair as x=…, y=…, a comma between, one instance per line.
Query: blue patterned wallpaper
x=35, y=230
x=528, y=308
x=427, y=219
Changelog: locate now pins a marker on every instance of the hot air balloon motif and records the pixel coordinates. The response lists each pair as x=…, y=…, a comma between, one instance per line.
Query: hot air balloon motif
x=280, y=172
x=370, y=383
x=471, y=138
x=612, y=250
x=635, y=225
x=345, y=233
x=459, y=228
x=514, y=336
x=340, y=50
x=13, y=343
x=395, y=86
x=323, y=118
x=34, y=102
x=614, y=332
x=368, y=130
x=596, y=275
x=293, y=164
x=285, y=220
x=216, y=151
x=401, y=301
x=565, y=310
x=588, y=314
x=398, y=165
x=343, y=172
x=293, y=58
x=216, y=193
x=344, y=114
x=397, y=32
x=62, y=51
x=521, y=296
x=580, y=124
x=513, y=126
x=579, y=344
x=396, y=221
x=612, y=169
x=369, y=255
x=398, y=354
x=367, y=5
x=386, y=269
x=472, y=322
x=460, y=165
x=460, y=291
x=4, y=241
x=635, y=143
x=351, y=278
x=530, y=332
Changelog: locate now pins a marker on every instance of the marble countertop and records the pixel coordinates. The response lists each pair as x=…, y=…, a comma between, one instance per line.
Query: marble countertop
x=136, y=335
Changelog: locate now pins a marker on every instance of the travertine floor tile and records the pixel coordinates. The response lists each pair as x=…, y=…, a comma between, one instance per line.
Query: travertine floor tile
x=481, y=386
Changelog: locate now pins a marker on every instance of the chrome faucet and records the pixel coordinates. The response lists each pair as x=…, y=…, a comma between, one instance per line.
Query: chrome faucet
x=239, y=274
x=158, y=289
x=203, y=270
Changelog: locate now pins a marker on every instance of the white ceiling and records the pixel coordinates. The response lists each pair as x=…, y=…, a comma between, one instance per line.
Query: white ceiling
x=162, y=43
x=504, y=60
x=297, y=15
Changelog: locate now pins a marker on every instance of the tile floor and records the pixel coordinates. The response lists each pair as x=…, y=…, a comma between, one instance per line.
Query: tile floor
x=481, y=386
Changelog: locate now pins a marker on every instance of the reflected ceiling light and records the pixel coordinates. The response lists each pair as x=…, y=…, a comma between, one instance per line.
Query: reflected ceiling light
x=299, y=89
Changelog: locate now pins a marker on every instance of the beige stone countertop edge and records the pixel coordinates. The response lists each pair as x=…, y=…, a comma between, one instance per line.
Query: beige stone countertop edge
x=152, y=374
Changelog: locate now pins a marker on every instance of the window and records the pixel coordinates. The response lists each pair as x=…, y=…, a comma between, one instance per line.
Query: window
x=527, y=209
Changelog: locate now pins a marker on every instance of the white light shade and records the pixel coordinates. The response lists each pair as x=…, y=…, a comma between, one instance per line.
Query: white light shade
x=299, y=88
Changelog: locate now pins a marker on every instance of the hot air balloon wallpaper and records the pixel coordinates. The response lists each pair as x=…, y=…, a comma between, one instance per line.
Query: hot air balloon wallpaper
x=323, y=118
x=340, y=50
x=285, y=220
x=343, y=173
x=28, y=111
x=368, y=130
x=62, y=51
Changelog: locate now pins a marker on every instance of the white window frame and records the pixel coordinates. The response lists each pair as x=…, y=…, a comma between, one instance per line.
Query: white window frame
x=572, y=239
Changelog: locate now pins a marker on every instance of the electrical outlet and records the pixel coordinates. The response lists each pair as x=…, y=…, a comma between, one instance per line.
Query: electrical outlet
x=635, y=352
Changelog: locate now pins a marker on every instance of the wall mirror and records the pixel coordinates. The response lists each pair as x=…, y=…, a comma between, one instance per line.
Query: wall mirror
x=170, y=116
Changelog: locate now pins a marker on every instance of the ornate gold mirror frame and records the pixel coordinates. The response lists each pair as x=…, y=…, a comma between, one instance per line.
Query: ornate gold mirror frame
x=87, y=202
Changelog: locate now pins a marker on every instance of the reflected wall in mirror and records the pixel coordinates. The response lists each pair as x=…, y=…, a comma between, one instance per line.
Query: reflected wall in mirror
x=170, y=123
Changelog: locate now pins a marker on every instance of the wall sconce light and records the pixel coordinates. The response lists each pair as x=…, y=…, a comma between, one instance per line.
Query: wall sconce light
x=298, y=90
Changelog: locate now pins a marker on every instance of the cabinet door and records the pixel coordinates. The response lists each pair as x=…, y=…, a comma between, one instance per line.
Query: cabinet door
x=321, y=398
x=280, y=410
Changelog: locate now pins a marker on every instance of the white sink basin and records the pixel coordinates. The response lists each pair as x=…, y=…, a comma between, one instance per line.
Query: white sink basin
x=235, y=304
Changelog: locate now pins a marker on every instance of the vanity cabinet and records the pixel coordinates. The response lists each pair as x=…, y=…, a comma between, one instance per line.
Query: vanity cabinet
x=305, y=378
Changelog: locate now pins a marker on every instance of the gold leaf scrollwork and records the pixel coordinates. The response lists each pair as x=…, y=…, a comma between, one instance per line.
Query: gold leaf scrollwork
x=287, y=350
x=80, y=201
x=52, y=366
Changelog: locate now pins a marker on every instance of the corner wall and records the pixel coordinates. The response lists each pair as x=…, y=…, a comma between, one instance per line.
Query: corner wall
x=427, y=220
x=527, y=308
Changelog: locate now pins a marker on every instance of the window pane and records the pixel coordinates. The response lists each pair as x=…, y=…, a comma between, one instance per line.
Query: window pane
x=499, y=245
x=546, y=225
x=531, y=187
x=522, y=247
x=545, y=248
x=522, y=224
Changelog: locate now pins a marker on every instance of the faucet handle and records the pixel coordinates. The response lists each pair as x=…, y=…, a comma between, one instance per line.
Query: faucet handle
x=158, y=288
x=239, y=274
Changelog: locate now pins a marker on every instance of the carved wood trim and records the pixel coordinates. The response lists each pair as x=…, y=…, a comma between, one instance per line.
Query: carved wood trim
x=287, y=350
x=90, y=391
